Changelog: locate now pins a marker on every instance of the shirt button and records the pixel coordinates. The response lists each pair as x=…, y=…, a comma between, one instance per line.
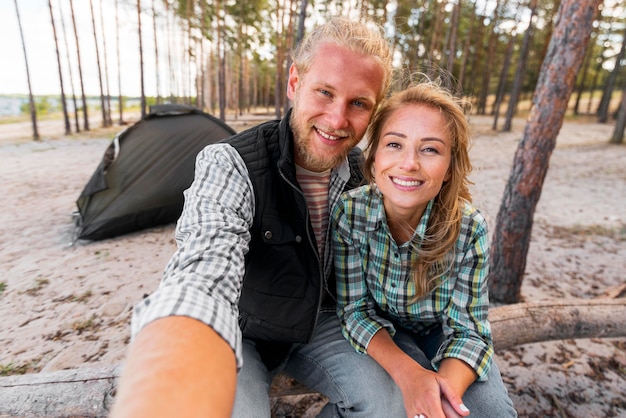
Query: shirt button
x=393, y=285
x=268, y=234
x=298, y=239
x=396, y=255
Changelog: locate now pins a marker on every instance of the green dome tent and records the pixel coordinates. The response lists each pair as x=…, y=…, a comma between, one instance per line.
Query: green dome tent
x=144, y=171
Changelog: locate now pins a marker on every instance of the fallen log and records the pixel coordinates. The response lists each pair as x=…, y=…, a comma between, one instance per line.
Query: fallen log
x=89, y=392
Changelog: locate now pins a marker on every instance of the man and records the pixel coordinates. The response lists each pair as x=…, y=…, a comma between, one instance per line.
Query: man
x=251, y=286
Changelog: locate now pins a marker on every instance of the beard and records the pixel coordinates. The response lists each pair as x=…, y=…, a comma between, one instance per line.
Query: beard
x=305, y=156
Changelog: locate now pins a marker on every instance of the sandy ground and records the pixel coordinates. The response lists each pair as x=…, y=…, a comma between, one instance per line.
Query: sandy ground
x=66, y=306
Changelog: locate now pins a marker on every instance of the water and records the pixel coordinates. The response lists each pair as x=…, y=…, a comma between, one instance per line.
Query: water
x=11, y=105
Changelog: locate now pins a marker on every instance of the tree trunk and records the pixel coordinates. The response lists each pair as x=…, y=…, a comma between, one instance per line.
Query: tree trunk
x=33, y=109
x=466, y=48
x=80, y=71
x=120, y=101
x=95, y=38
x=603, y=109
x=156, y=51
x=485, y=75
x=69, y=67
x=221, y=57
x=502, y=84
x=554, y=87
x=518, y=82
x=106, y=69
x=66, y=118
x=454, y=29
x=141, y=78
x=620, y=121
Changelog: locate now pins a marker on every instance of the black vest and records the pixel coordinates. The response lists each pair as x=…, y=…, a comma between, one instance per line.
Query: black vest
x=283, y=282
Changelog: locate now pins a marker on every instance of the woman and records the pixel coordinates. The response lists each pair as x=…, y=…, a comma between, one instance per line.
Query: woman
x=411, y=260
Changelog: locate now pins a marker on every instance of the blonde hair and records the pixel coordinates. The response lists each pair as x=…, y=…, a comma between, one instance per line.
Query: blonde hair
x=359, y=37
x=436, y=250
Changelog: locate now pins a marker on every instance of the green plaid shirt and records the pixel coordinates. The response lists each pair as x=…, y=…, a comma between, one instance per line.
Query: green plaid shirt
x=374, y=283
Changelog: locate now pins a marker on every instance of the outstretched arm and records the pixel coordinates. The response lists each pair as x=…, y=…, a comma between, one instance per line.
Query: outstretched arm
x=177, y=366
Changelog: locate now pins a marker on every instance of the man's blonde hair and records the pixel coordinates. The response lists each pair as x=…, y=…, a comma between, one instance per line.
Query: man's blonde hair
x=361, y=37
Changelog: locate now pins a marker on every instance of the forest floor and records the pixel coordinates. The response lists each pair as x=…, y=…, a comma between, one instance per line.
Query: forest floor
x=67, y=306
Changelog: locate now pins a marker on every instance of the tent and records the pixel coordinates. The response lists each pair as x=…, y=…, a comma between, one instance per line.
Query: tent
x=144, y=171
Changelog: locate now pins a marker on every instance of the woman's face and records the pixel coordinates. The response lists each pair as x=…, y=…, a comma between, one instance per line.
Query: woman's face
x=412, y=161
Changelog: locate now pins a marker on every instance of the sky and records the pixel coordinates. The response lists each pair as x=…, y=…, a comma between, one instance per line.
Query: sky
x=41, y=52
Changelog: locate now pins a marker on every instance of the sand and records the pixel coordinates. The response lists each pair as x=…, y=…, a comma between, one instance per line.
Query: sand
x=67, y=305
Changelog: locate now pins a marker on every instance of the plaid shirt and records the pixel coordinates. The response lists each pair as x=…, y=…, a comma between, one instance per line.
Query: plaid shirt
x=374, y=282
x=203, y=279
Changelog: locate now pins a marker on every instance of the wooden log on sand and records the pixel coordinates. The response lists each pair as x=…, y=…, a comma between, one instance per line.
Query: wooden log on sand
x=89, y=392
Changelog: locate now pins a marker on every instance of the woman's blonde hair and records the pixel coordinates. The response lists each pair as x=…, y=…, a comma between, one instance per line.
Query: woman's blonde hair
x=436, y=249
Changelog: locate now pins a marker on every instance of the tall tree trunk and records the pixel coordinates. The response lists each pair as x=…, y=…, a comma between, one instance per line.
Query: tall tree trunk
x=486, y=73
x=583, y=79
x=466, y=47
x=120, y=100
x=95, y=38
x=80, y=71
x=280, y=60
x=106, y=69
x=156, y=52
x=454, y=28
x=171, y=80
x=603, y=109
x=556, y=81
x=33, y=109
x=502, y=84
x=301, y=19
x=203, y=65
x=66, y=118
x=69, y=67
x=518, y=82
x=221, y=57
x=620, y=121
x=141, y=78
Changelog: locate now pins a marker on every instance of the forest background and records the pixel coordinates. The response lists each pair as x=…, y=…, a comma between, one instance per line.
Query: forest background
x=231, y=58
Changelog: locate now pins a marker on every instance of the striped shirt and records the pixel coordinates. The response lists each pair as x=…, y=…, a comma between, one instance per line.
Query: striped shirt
x=374, y=282
x=315, y=188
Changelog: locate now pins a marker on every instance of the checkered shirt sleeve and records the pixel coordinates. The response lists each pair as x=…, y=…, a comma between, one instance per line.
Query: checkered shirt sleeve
x=203, y=278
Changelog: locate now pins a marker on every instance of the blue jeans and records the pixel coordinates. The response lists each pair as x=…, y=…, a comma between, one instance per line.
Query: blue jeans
x=355, y=385
x=486, y=399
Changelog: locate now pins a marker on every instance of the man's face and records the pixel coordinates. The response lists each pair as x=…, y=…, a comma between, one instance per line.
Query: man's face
x=333, y=103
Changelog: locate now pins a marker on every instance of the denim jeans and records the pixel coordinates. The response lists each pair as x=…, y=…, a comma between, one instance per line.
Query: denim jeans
x=486, y=399
x=355, y=384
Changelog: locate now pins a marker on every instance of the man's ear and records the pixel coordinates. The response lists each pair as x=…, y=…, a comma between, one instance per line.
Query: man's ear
x=292, y=83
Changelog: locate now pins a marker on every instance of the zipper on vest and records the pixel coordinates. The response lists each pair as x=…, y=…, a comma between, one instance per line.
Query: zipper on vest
x=317, y=256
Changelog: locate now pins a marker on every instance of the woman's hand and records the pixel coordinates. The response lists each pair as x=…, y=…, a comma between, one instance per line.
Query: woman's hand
x=428, y=394
x=424, y=392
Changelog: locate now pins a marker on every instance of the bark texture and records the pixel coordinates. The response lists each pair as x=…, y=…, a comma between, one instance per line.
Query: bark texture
x=556, y=82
